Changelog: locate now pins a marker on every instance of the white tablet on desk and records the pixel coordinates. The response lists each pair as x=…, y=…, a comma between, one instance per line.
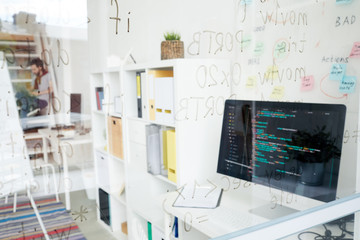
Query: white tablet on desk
x=198, y=197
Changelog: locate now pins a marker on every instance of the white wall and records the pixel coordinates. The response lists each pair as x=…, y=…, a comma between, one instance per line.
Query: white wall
x=316, y=34
x=149, y=20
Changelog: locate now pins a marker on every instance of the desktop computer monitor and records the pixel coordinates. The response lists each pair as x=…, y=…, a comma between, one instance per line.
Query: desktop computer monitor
x=295, y=147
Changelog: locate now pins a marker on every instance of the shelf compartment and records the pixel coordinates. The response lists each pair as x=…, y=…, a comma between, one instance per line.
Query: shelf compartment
x=21, y=80
x=152, y=122
x=164, y=179
x=101, y=112
x=121, y=198
x=120, y=160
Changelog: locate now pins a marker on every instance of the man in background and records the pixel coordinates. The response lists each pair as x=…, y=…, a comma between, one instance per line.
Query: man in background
x=42, y=86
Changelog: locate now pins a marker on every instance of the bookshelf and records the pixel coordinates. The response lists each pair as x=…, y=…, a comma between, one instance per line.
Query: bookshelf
x=18, y=49
x=195, y=119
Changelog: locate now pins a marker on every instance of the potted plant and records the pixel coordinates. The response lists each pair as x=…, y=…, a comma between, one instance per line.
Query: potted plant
x=172, y=47
x=313, y=150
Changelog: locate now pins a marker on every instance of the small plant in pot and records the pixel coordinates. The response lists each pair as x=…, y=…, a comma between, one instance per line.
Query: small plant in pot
x=314, y=150
x=172, y=47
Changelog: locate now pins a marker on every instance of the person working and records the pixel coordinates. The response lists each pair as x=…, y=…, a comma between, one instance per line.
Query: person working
x=42, y=86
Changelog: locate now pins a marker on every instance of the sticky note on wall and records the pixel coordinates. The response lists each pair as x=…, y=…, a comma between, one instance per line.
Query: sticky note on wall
x=259, y=49
x=337, y=71
x=251, y=82
x=278, y=93
x=272, y=73
x=347, y=84
x=355, y=51
x=307, y=83
x=343, y=1
x=247, y=2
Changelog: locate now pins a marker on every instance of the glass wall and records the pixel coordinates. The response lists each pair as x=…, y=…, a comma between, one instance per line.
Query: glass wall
x=265, y=107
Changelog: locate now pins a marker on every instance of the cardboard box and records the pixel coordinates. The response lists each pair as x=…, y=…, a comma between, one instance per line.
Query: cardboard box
x=116, y=145
x=124, y=228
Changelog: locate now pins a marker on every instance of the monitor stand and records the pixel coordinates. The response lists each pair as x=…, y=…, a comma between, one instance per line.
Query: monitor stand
x=269, y=212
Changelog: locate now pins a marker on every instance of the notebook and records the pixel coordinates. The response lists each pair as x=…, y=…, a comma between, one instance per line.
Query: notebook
x=198, y=197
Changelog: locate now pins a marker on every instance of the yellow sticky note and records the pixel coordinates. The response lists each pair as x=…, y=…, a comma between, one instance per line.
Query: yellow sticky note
x=251, y=82
x=272, y=73
x=277, y=93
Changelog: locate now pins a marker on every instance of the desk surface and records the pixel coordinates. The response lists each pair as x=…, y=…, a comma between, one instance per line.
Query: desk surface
x=76, y=139
x=235, y=204
x=204, y=219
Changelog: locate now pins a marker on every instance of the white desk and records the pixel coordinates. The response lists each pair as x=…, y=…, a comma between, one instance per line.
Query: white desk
x=65, y=145
x=240, y=200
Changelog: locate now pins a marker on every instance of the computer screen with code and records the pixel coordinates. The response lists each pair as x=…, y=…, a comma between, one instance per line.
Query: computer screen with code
x=295, y=147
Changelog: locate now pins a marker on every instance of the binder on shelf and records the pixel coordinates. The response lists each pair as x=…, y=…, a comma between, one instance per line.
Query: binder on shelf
x=164, y=99
x=101, y=94
x=153, y=149
x=164, y=153
x=149, y=230
x=144, y=96
x=138, y=94
x=154, y=233
x=99, y=91
x=97, y=101
x=175, y=228
x=152, y=74
x=115, y=137
x=171, y=154
x=151, y=98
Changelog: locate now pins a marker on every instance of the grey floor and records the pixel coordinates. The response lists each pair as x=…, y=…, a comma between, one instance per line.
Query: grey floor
x=88, y=225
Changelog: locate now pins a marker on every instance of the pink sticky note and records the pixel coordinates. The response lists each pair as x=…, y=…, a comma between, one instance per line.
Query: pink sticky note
x=307, y=83
x=355, y=52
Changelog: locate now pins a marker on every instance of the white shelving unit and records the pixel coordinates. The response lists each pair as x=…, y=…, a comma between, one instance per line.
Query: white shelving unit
x=199, y=94
x=18, y=48
x=110, y=170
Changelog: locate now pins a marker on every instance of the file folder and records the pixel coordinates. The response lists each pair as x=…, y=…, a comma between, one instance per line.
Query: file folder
x=171, y=154
x=164, y=161
x=153, y=149
x=151, y=98
x=149, y=231
x=144, y=96
x=138, y=94
x=154, y=233
x=152, y=74
x=164, y=100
